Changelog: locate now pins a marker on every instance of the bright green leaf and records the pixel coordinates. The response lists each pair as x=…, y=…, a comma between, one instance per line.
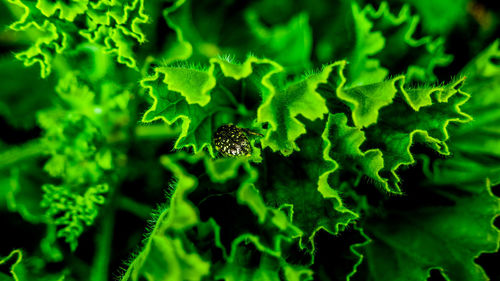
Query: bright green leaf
x=428, y=111
x=204, y=104
x=281, y=108
x=67, y=10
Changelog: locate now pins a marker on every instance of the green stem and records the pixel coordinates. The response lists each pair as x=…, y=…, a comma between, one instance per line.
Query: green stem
x=103, y=241
x=243, y=91
x=25, y=151
x=162, y=131
x=229, y=95
x=139, y=209
x=240, y=108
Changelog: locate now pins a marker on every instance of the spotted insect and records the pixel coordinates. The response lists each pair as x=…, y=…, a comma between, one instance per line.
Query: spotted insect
x=231, y=140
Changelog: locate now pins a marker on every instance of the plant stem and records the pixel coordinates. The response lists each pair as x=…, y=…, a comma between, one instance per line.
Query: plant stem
x=161, y=131
x=229, y=95
x=240, y=108
x=103, y=241
x=25, y=151
x=139, y=209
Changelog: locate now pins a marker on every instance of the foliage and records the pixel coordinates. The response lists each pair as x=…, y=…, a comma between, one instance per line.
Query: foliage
x=374, y=134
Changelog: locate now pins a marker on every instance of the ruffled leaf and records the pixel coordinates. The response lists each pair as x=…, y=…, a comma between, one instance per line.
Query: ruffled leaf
x=376, y=41
x=52, y=26
x=116, y=38
x=200, y=103
x=196, y=234
x=70, y=211
x=476, y=145
x=301, y=184
x=289, y=44
x=48, y=38
x=21, y=191
x=367, y=100
x=16, y=255
x=412, y=238
x=164, y=256
x=281, y=108
x=200, y=35
x=49, y=42
x=428, y=112
x=442, y=16
x=80, y=159
x=424, y=54
x=338, y=257
x=67, y=10
x=222, y=182
x=268, y=268
x=345, y=148
x=22, y=269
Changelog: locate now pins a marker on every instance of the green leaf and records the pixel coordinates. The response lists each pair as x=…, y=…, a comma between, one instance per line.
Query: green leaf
x=476, y=145
x=367, y=100
x=338, y=257
x=268, y=268
x=114, y=25
x=380, y=142
x=67, y=10
x=410, y=238
x=17, y=270
x=200, y=35
x=170, y=261
x=289, y=44
x=248, y=195
x=225, y=177
x=428, y=111
x=301, y=184
x=420, y=55
x=368, y=43
x=376, y=40
x=117, y=38
x=73, y=143
x=199, y=103
x=345, y=148
x=442, y=16
x=48, y=39
x=74, y=130
x=281, y=107
x=194, y=230
x=23, y=269
x=48, y=43
x=81, y=159
x=21, y=190
x=70, y=211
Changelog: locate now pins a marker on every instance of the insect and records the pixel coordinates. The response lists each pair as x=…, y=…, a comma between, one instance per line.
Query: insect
x=231, y=140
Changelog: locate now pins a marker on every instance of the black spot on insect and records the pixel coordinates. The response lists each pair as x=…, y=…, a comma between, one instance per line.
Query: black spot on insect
x=231, y=141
